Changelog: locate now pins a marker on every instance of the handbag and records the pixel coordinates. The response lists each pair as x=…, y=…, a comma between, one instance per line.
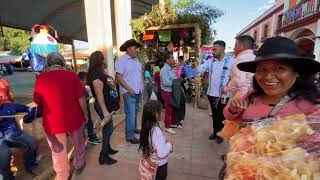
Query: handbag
x=148, y=166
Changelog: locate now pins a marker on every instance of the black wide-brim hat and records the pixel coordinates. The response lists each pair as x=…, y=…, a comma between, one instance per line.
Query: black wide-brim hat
x=283, y=49
x=129, y=43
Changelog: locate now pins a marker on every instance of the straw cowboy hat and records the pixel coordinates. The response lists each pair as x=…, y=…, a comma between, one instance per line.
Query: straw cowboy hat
x=129, y=43
x=284, y=49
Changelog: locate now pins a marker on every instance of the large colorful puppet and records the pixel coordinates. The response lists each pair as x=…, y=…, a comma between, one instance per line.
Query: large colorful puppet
x=41, y=45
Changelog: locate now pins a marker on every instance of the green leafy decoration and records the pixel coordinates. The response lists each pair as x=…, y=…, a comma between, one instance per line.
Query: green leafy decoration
x=183, y=12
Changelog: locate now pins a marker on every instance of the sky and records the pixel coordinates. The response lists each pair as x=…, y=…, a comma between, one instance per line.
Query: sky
x=238, y=14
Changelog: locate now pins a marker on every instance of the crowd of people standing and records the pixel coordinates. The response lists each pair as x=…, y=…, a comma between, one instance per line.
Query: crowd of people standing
x=246, y=86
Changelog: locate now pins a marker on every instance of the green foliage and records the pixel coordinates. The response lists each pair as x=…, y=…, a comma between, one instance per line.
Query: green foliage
x=14, y=40
x=185, y=3
x=145, y=55
x=184, y=11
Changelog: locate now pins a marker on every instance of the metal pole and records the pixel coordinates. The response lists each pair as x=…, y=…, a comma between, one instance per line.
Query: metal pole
x=74, y=60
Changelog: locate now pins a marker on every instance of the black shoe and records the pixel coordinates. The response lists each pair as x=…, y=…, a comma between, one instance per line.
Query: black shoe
x=212, y=137
x=219, y=140
x=133, y=141
x=106, y=160
x=112, y=151
x=94, y=140
x=137, y=131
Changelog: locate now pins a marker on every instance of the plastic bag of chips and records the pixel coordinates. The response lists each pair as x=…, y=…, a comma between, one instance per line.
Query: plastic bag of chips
x=283, y=149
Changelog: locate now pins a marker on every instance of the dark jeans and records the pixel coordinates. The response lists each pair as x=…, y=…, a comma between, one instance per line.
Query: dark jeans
x=159, y=97
x=89, y=125
x=106, y=130
x=162, y=172
x=217, y=113
x=24, y=141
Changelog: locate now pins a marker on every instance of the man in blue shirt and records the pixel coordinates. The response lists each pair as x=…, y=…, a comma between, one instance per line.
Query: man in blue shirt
x=130, y=77
x=11, y=136
x=219, y=69
x=167, y=75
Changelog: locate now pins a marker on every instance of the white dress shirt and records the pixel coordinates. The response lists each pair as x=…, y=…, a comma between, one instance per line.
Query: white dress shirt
x=217, y=69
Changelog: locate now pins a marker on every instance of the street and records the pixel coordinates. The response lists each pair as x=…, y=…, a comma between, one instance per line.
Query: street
x=194, y=156
x=22, y=84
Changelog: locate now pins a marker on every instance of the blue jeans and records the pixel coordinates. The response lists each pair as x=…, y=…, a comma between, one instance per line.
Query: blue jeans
x=24, y=141
x=107, y=130
x=131, y=109
x=89, y=125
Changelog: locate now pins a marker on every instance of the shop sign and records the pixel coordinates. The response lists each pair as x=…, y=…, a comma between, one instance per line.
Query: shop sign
x=304, y=9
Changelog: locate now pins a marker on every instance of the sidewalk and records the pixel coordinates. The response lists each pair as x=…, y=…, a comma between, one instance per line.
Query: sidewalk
x=194, y=157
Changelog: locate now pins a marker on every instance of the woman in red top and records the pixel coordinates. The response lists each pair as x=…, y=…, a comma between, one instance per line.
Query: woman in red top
x=59, y=92
x=5, y=91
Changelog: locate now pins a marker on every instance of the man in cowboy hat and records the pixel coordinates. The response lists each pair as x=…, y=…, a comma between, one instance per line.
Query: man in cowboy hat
x=131, y=80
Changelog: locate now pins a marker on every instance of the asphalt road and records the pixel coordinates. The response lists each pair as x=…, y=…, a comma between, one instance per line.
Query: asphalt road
x=22, y=84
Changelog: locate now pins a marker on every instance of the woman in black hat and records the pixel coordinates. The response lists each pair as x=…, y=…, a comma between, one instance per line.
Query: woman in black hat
x=283, y=86
x=281, y=75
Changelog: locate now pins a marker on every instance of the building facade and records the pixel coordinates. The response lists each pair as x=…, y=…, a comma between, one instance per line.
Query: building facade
x=108, y=24
x=298, y=20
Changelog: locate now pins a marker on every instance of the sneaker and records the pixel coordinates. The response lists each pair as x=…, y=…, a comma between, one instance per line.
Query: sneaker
x=94, y=141
x=133, y=141
x=182, y=121
x=179, y=126
x=137, y=131
x=174, y=126
x=170, y=131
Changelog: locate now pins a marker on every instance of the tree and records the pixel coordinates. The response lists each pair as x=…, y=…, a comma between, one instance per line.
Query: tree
x=15, y=40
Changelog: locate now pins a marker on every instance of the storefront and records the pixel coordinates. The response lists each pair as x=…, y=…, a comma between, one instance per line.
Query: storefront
x=297, y=20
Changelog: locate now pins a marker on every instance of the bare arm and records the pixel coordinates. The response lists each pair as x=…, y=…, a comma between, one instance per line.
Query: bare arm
x=98, y=89
x=122, y=82
x=10, y=95
x=83, y=105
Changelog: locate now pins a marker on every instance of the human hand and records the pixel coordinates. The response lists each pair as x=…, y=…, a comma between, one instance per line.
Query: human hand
x=224, y=90
x=131, y=92
x=86, y=118
x=107, y=116
x=315, y=114
x=238, y=104
x=194, y=65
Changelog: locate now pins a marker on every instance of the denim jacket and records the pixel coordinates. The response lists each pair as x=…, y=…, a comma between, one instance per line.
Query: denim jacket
x=8, y=126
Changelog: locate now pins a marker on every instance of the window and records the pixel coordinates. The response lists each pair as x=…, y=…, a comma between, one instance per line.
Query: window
x=266, y=31
x=255, y=35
